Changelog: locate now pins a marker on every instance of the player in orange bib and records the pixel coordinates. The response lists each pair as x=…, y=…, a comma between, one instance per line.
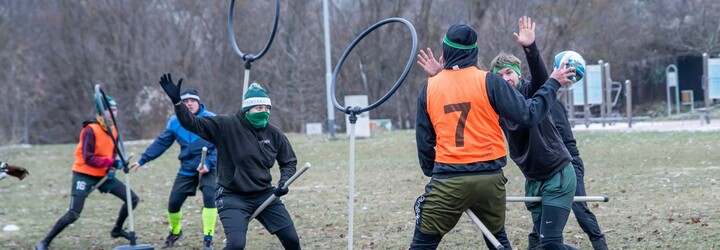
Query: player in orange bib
x=460, y=143
x=94, y=159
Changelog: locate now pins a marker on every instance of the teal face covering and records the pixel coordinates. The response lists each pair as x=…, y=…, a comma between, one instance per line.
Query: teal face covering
x=259, y=119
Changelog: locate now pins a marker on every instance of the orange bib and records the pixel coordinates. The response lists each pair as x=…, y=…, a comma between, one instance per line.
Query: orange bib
x=104, y=147
x=465, y=123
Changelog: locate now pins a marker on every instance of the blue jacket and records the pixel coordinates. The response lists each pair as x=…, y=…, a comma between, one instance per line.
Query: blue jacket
x=190, y=146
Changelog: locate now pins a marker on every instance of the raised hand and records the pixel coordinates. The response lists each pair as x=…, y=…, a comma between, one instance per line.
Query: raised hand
x=526, y=32
x=562, y=74
x=172, y=90
x=428, y=62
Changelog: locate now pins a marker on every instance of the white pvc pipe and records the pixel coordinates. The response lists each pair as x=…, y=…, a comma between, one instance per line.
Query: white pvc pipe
x=484, y=229
x=603, y=198
x=100, y=182
x=128, y=200
x=328, y=70
x=273, y=197
x=202, y=161
x=246, y=79
x=351, y=202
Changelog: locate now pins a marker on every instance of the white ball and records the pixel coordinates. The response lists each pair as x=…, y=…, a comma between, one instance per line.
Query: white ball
x=573, y=59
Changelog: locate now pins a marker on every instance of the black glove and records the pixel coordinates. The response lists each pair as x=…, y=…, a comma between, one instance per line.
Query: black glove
x=118, y=164
x=110, y=173
x=19, y=172
x=172, y=90
x=280, y=191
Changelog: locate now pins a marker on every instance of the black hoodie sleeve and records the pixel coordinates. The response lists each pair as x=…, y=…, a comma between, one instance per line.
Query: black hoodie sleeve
x=207, y=127
x=560, y=119
x=425, y=134
x=510, y=104
x=286, y=158
x=538, y=72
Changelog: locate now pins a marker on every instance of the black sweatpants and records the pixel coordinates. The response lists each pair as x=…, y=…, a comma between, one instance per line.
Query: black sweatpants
x=235, y=211
x=77, y=202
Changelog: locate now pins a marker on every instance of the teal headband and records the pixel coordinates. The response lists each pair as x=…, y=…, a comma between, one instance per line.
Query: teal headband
x=452, y=44
x=514, y=67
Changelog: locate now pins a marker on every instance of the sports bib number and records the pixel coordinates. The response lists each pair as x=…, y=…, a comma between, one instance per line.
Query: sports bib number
x=464, y=109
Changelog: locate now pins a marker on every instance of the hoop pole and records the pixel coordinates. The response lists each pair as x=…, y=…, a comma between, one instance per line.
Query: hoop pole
x=351, y=189
x=484, y=229
x=273, y=197
x=246, y=79
x=353, y=111
x=328, y=71
x=128, y=201
x=603, y=198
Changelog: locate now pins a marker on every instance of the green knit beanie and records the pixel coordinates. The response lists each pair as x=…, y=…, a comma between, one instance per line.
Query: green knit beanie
x=109, y=100
x=254, y=96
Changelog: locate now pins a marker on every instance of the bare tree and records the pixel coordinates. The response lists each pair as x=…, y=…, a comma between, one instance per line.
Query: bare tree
x=53, y=52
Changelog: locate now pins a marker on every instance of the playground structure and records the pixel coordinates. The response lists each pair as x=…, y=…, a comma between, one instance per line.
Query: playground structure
x=599, y=90
x=710, y=85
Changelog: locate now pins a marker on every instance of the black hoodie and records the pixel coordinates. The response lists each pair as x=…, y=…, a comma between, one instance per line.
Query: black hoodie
x=538, y=150
x=244, y=154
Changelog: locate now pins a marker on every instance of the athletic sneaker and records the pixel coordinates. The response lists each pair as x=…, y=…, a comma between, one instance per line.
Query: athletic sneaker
x=118, y=232
x=207, y=243
x=171, y=239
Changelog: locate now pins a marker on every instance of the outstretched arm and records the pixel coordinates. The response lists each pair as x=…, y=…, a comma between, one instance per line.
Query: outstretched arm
x=526, y=38
x=205, y=126
x=158, y=146
x=510, y=104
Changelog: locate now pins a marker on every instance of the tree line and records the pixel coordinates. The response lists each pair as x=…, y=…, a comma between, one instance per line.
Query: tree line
x=52, y=53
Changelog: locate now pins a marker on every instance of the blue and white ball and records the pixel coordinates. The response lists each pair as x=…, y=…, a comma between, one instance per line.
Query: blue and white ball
x=573, y=59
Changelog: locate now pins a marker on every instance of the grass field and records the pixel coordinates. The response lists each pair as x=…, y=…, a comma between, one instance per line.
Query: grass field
x=663, y=186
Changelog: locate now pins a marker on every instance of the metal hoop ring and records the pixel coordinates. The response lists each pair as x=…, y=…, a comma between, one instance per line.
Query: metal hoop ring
x=247, y=57
x=358, y=110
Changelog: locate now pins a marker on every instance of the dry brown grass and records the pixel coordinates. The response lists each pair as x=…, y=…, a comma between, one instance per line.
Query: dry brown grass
x=663, y=188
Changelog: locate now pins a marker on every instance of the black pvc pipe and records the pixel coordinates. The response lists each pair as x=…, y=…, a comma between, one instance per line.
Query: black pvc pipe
x=119, y=146
x=247, y=57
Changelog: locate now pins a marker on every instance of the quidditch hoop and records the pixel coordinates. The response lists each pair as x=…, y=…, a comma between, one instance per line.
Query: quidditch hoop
x=246, y=56
x=358, y=110
x=101, y=104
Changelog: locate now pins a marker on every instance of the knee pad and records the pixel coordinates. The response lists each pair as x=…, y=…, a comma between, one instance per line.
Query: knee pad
x=70, y=217
x=209, y=200
x=235, y=244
